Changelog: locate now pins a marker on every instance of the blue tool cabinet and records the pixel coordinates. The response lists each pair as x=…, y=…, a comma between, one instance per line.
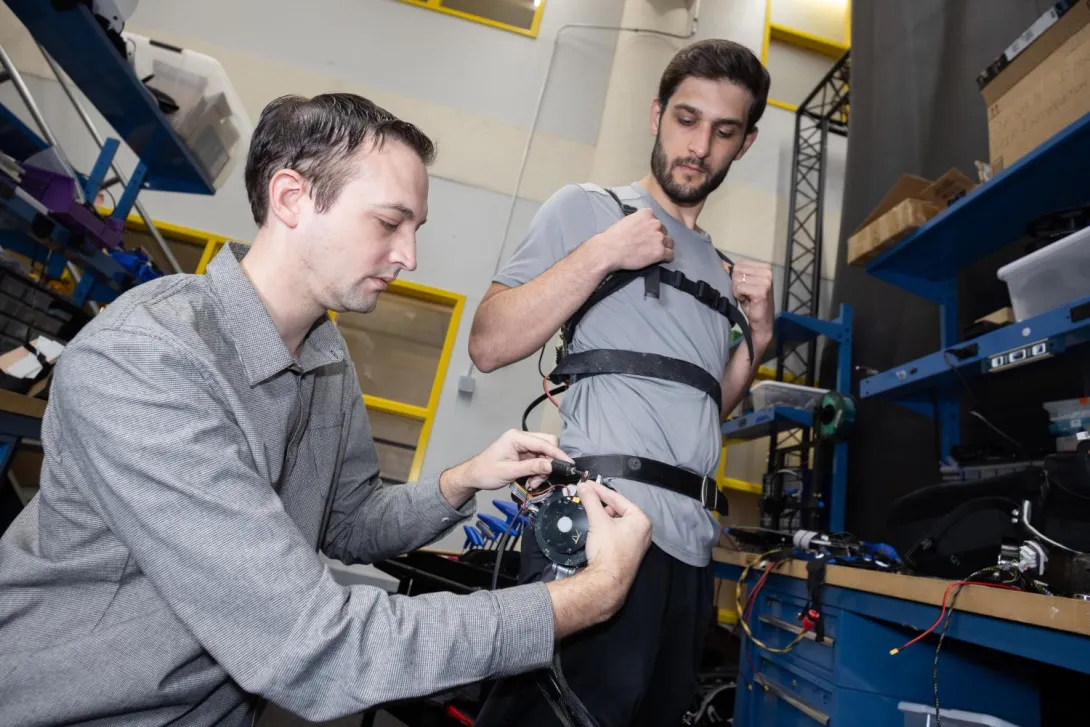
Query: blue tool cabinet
x=852, y=680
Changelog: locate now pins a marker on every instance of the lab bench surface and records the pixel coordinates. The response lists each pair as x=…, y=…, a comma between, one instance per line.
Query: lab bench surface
x=851, y=678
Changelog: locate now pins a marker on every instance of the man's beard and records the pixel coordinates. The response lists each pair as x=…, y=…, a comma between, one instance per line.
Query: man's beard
x=677, y=193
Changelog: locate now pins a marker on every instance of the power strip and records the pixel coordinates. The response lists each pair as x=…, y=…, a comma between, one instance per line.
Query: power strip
x=1030, y=352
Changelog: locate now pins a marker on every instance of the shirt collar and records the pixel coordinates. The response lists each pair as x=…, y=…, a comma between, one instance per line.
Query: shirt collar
x=260, y=348
x=660, y=212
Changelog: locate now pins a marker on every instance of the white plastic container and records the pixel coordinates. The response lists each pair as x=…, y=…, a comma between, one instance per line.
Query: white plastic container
x=1066, y=408
x=211, y=120
x=921, y=715
x=1050, y=277
x=778, y=393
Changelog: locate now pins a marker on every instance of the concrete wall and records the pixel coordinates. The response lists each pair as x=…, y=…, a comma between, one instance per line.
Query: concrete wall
x=474, y=89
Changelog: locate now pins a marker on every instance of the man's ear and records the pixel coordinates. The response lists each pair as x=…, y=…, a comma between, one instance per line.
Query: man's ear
x=656, y=116
x=750, y=138
x=287, y=194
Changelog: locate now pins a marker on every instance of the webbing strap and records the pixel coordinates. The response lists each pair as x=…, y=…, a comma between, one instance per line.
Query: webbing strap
x=610, y=361
x=591, y=363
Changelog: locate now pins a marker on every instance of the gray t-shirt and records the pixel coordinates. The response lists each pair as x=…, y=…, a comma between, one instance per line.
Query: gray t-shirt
x=662, y=420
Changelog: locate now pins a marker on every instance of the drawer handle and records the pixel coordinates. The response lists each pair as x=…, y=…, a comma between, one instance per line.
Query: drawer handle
x=819, y=717
x=794, y=629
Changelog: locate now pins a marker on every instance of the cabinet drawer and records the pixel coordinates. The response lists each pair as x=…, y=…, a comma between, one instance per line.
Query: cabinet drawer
x=789, y=698
x=775, y=622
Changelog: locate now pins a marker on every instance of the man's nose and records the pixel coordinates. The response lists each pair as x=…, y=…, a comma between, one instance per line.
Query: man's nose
x=404, y=253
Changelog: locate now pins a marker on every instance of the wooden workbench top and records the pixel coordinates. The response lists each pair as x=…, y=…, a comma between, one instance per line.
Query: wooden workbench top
x=1062, y=614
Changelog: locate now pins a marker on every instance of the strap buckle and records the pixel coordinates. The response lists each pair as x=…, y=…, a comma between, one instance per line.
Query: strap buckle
x=714, y=504
x=706, y=294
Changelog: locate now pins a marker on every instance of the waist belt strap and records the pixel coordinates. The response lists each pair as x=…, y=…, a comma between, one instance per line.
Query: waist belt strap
x=701, y=488
x=608, y=361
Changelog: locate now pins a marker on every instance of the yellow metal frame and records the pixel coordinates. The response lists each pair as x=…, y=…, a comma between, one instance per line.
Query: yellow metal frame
x=437, y=6
x=456, y=301
x=801, y=39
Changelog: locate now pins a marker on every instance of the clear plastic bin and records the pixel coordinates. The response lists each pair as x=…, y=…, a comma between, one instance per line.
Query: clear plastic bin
x=211, y=120
x=1067, y=408
x=922, y=715
x=1050, y=277
x=778, y=393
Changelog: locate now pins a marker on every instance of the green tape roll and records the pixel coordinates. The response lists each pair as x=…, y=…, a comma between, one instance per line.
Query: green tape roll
x=834, y=415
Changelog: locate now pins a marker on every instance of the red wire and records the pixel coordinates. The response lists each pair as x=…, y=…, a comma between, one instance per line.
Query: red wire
x=942, y=613
x=545, y=386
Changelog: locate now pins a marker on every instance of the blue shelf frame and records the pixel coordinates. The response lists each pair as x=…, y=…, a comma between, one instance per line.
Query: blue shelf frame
x=76, y=41
x=103, y=277
x=760, y=423
x=1050, y=178
x=793, y=329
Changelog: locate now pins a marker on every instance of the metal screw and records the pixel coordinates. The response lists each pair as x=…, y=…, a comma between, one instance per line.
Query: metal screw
x=1026, y=331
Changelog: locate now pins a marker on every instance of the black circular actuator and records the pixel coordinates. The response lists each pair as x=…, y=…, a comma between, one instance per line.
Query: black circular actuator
x=560, y=528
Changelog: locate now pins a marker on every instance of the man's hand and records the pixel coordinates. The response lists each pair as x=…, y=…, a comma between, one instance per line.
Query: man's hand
x=752, y=283
x=634, y=242
x=513, y=456
x=619, y=536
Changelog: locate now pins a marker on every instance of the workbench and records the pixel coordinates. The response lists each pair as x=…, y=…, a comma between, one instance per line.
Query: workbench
x=851, y=678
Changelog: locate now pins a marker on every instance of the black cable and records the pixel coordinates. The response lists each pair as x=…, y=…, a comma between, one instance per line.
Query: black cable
x=976, y=406
x=540, y=358
x=1063, y=487
x=568, y=708
x=533, y=404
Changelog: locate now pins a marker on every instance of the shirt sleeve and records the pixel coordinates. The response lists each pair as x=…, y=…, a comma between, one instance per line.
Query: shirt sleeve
x=564, y=222
x=152, y=447
x=370, y=521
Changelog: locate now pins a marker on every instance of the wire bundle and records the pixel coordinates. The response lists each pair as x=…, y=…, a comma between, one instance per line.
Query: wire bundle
x=744, y=612
x=946, y=615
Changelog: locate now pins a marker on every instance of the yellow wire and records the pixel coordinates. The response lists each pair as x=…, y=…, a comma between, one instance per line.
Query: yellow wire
x=740, y=604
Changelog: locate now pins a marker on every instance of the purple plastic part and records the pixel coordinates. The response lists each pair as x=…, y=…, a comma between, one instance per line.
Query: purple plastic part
x=58, y=194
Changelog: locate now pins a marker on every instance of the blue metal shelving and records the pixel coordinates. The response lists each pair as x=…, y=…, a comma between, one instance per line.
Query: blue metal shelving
x=33, y=233
x=760, y=423
x=1050, y=178
x=1056, y=331
x=76, y=41
x=793, y=329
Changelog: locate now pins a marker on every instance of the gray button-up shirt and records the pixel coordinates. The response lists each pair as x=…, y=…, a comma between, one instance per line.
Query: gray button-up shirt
x=166, y=571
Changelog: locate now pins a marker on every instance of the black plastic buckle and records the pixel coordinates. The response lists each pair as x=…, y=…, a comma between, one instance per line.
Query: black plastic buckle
x=707, y=295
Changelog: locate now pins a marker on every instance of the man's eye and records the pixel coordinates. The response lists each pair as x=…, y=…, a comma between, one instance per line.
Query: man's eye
x=685, y=122
x=391, y=226
x=726, y=133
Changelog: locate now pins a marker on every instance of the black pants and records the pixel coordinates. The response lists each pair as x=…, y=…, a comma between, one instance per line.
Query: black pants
x=638, y=668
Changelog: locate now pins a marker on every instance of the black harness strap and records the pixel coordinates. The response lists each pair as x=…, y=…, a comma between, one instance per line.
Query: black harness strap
x=590, y=363
x=652, y=472
x=631, y=363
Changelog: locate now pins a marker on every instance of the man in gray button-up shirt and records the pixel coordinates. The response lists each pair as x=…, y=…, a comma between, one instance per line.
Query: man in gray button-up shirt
x=205, y=435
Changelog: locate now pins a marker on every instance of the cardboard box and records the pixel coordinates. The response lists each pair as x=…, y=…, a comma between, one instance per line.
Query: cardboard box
x=1045, y=88
x=912, y=202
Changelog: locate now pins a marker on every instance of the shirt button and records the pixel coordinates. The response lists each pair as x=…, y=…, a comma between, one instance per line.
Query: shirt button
x=446, y=519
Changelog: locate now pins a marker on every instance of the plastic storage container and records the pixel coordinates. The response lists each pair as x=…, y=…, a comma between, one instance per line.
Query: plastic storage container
x=211, y=120
x=1067, y=408
x=778, y=393
x=1050, y=277
x=921, y=715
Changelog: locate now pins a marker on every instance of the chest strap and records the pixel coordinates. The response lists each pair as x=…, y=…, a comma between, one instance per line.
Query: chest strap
x=571, y=366
x=575, y=366
x=702, y=488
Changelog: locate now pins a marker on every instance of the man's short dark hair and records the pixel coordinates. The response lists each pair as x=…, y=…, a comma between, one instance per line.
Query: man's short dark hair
x=315, y=137
x=719, y=60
